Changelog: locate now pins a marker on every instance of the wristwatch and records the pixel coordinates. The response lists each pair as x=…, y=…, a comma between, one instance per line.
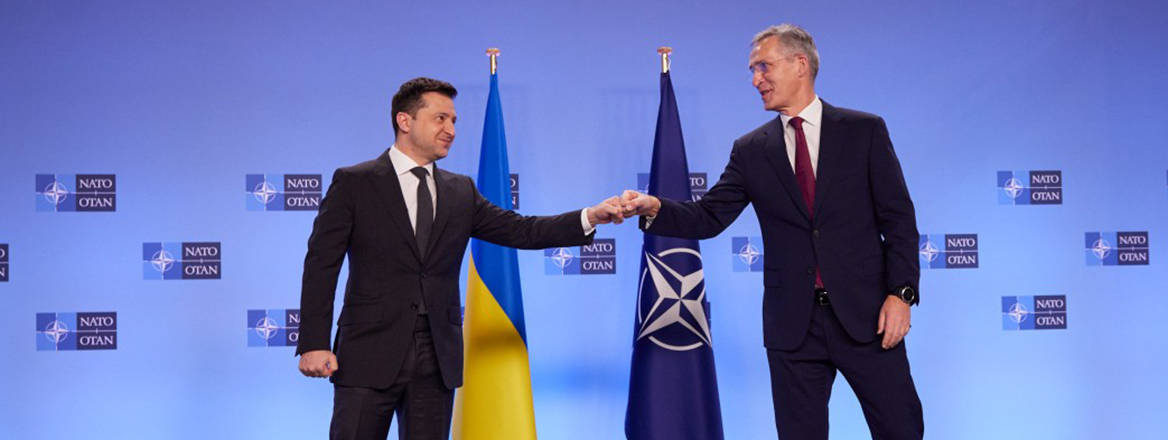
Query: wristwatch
x=906, y=293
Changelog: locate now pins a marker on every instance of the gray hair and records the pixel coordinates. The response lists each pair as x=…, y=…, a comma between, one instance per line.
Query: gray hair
x=794, y=39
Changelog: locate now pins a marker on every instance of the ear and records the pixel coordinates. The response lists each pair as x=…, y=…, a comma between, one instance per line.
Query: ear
x=403, y=121
x=804, y=66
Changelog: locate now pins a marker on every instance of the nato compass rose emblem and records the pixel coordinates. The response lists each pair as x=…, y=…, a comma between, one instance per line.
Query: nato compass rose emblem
x=264, y=192
x=748, y=254
x=929, y=251
x=1101, y=248
x=162, y=261
x=676, y=318
x=561, y=257
x=56, y=331
x=266, y=328
x=55, y=193
x=1013, y=187
x=1018, y=313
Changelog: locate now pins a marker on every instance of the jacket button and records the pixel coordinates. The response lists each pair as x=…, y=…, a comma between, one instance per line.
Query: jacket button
x=815, y=233
x=810, y=271
x=423, y=274
x=413, y=307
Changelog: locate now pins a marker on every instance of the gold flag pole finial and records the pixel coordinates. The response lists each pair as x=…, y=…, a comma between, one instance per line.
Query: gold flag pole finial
x=664, y=51
x=493, y=53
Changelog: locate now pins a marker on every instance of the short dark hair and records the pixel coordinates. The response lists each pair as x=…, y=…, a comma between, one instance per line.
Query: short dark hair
x=408, y=98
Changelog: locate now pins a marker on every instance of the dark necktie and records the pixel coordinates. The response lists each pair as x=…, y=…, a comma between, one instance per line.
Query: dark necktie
x=425, y=211
x=805, y=175
x=803, y=171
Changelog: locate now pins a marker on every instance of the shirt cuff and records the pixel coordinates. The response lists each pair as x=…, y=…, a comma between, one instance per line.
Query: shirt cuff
x=588, y=228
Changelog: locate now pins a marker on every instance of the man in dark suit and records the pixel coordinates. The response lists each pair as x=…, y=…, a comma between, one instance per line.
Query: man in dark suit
x=840, y=239
x=404, y=224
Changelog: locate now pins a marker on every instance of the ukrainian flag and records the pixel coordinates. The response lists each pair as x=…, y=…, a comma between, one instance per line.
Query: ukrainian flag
x=495, y=399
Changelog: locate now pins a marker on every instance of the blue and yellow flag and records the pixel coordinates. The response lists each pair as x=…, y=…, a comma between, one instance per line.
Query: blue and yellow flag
x=495, y=399
x=673, y=391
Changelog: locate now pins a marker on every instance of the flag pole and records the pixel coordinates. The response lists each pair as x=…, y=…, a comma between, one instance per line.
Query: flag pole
x=493, y=53
x=664, y=51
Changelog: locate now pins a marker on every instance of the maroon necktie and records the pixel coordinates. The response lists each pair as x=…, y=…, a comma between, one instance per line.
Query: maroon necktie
x=805, y=175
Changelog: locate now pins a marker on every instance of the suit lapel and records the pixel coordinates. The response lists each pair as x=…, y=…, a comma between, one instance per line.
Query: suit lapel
x=776, y=151
x=389, y=190
x=830, y=148
x=444, y=183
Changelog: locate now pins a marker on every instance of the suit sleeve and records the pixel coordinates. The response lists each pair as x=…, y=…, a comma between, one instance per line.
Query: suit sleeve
x=326, y=252
x=895, y=215
x=709, y=216
x=507, y=228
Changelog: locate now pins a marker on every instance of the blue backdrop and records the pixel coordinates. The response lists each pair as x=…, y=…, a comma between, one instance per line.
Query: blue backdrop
x=181, y=101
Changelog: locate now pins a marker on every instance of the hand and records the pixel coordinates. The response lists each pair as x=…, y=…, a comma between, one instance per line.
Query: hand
x=635, y=203
x=895, y=318
x=608, y=211
x=318, y=363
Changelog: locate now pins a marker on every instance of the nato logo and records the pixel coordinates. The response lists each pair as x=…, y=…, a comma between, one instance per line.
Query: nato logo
x=1030, y=187
x=948, y=251
x=697, y=184
x=76, y=192
x=1117, y=248
x=672, y=310
x=181, y=261
x=515, y=191
x=3, y=262
x=1034, y=312
x=593, y=259
x=273, y=328
x=747, y=254
x=283, y=192
x=77, y=331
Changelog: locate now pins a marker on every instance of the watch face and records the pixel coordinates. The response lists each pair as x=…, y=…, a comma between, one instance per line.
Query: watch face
x=908, y=294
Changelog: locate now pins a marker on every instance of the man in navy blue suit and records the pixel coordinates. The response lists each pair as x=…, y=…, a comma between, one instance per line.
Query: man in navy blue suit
x=840, y=238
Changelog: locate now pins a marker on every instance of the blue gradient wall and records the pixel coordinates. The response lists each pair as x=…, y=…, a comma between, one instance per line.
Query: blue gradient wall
x=181, y=100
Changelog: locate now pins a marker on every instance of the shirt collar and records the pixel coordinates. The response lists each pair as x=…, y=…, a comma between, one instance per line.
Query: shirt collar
x=812, y=114
x=402, y=164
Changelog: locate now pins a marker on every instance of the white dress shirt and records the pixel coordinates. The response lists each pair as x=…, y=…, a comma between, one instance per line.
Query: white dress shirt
x=402, y=165
x=812, y=125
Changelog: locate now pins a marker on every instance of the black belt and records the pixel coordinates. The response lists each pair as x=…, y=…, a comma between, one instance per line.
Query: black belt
x=821, y=297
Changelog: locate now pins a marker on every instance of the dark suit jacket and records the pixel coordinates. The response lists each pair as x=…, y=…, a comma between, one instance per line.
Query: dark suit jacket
x=364, y=215
x=863, y=237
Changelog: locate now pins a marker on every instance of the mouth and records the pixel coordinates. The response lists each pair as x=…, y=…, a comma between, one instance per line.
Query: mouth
x=764, y=94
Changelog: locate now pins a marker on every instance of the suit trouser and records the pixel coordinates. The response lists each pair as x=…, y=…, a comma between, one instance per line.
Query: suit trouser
x=419, y=397
x=801, y=381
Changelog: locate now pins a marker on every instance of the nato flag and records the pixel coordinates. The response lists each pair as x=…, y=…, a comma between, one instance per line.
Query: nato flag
x=673, y=391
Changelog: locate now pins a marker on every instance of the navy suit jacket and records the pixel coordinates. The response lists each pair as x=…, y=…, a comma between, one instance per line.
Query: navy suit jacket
x=863, y=237
x=364, y=217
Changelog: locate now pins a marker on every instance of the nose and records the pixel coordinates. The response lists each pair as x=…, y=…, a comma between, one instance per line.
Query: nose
x=756, y=79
